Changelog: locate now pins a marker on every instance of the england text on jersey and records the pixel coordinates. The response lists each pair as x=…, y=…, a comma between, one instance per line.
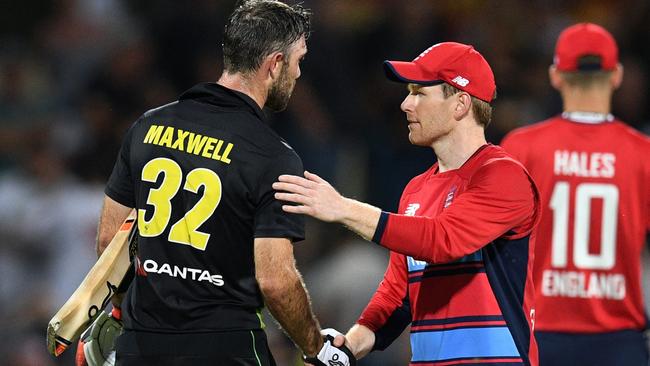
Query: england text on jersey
x=583, y=285
x=189, y=142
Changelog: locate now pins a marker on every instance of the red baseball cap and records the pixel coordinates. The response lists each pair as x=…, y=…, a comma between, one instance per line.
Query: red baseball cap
x=585, y=39
x=456, y=64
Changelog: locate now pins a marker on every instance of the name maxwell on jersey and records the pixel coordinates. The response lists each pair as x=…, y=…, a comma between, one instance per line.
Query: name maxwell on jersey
x=189, y=142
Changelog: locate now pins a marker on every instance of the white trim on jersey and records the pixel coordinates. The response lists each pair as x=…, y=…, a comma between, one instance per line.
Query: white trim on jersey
x=588, y=117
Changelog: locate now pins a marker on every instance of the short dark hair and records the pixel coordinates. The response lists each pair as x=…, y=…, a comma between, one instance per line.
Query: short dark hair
x=258, y=28
x=589, y=73
x=482, y=110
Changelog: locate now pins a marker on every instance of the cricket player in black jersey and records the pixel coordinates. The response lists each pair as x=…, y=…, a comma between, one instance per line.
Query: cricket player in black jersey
x=214, y=245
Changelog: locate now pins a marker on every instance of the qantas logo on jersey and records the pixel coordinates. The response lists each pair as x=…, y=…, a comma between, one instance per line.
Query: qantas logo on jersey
x=186, y=273
x=583, y=285
x=583, y=164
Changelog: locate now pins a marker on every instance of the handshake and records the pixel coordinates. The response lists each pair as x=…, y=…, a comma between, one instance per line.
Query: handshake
x=329, y=354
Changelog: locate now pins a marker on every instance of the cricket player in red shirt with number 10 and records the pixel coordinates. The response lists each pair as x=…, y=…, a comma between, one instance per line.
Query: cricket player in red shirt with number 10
x=461, y=252
x=593, y=172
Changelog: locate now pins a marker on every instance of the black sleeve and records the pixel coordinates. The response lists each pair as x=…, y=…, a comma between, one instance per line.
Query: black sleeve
x=120, y=184
x=394, y=326
x=270, y=220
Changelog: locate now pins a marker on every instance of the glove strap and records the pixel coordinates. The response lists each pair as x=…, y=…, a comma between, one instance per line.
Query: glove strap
x=313, y=360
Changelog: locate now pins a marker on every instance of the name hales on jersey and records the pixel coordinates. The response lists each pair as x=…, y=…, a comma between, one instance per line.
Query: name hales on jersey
x=583, y=164
x=185, y=273
x=577, y=284
x=189, y=142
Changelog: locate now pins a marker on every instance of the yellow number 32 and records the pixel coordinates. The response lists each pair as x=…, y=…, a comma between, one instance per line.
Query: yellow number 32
x=184, y=231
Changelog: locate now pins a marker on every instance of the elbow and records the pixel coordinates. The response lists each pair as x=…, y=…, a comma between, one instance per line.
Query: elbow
x=276, y=287
x=102, y=244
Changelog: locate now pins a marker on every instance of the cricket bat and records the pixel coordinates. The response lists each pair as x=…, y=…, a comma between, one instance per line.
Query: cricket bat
x=94, y=292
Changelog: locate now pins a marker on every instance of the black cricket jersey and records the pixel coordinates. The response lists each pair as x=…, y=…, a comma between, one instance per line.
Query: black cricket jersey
x=199, y=171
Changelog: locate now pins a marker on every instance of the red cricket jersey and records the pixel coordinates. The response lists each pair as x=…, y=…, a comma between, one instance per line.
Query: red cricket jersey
x=594, y=181
x=459, y=265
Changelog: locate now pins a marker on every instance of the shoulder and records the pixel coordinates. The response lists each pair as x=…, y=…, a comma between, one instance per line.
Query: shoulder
x=525, y=134
x=283, y=160
x=154, y=111
x=503, y=178
x=496, y=163
x=632, y=134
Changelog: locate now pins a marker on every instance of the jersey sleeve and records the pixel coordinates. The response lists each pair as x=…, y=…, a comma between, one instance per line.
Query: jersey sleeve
x=500, y=200
x=120, y=186
x=389, y=312
x=270, y=220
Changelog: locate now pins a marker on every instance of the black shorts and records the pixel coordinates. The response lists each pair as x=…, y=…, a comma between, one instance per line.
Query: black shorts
x=624, y=348
x=234, y=348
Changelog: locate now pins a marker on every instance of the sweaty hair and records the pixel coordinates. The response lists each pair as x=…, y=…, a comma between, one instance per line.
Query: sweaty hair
x=482, y=110
x=258, y=28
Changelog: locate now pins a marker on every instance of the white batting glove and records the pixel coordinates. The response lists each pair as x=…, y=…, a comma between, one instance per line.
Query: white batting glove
x=330, y=355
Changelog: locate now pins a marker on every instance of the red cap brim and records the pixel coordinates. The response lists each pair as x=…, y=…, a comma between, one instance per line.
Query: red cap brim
x=408, y=72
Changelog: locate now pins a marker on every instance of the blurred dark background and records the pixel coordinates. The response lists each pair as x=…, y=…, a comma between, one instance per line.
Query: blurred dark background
x=74, y=74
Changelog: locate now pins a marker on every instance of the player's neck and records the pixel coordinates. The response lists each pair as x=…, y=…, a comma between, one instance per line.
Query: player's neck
x=587, y=100
x=454, y=149
x=244, y=85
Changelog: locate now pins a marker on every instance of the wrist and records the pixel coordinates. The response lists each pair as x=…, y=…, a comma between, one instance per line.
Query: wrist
x=345, y=211
x=314, y=346
x=360, y=217
x=360, y=340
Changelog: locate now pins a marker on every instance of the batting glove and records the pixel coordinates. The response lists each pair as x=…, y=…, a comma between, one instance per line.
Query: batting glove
x=330, y=355
x=97, y=343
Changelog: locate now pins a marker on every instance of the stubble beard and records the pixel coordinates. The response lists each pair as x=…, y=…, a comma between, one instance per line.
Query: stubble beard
x=280, y=92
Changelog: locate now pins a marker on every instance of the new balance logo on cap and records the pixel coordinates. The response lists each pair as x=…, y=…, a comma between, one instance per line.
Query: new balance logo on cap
x=460, y=80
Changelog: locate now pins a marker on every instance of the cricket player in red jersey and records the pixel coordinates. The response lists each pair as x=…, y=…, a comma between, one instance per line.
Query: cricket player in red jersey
x=593, y=173
x=461, y=255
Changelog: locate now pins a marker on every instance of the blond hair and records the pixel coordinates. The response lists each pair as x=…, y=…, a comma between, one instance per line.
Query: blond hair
x=482, y=110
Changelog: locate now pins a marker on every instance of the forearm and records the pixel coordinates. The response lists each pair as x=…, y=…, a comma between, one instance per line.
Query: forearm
x=360, y=217
x=112, y=216
x=290, y=306
x=360, y=340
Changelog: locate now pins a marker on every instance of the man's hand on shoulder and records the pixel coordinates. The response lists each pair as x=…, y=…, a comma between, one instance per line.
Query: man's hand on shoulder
x=312, y=195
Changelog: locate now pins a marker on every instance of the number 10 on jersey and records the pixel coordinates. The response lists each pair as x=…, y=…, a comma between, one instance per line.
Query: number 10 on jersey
x=584, y=194
x=184, y=231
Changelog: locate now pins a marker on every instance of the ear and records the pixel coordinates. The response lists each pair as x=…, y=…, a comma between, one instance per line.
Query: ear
x=273, y=65
x=617, y=77
x=554, y=77
x=463, y=105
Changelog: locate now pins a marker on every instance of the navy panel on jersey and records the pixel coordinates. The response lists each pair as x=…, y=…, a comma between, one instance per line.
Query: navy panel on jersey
x=506, y=262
